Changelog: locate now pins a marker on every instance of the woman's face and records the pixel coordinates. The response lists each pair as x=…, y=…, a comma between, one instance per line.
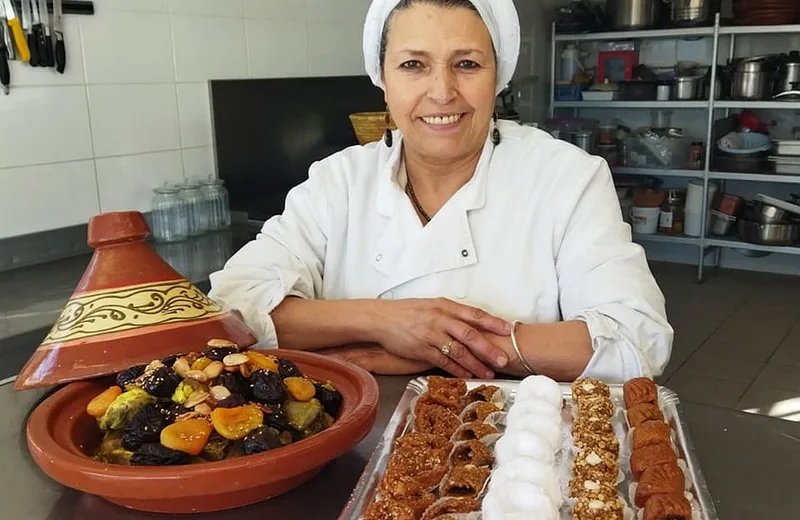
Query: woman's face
x=439, y=78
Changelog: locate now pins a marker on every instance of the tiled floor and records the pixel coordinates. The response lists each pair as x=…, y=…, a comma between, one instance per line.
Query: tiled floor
x=737, y=339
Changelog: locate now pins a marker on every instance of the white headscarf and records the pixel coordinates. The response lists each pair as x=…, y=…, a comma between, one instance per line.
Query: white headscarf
x=500, y=17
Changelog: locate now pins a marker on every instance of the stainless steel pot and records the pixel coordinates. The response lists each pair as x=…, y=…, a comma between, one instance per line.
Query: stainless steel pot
x=689, y=12
x=685, y=87
x=583, y=139
x=751, y=80
x=788, y=77
x=632, y=14
x=784, y=234
x=758, y=211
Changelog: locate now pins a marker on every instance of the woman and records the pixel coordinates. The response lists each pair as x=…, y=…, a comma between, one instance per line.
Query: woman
x=457, y=237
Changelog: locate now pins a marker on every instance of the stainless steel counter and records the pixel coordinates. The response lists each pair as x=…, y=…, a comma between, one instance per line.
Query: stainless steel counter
x=751, y=464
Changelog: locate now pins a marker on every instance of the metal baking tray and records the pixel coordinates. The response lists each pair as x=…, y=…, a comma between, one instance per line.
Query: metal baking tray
x=786, y=148
x=364, y=492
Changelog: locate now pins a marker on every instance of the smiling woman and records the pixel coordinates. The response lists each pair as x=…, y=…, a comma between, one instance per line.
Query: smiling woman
x=397, y=255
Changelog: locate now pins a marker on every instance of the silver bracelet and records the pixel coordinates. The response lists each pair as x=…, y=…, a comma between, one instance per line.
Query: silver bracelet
x=516, y=347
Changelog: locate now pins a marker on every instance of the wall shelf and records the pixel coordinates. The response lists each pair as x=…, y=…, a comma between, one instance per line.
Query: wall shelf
x=755, y=177
x=763, y=105
x=670, y=239
x=654, y=172
x=692, y=32
x=735, y=243
x=630, y=104
x=760, y=29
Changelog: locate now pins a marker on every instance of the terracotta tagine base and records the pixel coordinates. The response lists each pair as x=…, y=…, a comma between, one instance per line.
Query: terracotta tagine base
x=61, y=437
x=130, y=307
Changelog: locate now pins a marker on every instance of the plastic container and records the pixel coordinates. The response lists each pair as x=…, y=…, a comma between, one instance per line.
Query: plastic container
x=170, y=215
x=568, y=93
x=644, y=221
x=569, y=63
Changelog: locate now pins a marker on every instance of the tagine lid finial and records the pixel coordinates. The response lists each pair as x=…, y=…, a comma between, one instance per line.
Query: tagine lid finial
x=129, y=308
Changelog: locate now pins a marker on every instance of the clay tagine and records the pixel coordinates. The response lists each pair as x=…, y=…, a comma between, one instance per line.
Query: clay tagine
x=129, y=308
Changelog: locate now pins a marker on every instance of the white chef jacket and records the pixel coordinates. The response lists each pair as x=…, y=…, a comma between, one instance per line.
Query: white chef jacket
x=536, y=235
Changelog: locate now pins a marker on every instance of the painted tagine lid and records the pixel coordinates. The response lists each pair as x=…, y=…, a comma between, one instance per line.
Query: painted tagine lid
x=129, y=308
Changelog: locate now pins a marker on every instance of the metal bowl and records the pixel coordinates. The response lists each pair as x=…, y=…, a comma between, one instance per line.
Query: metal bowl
x=781, y=234
x=764, y=213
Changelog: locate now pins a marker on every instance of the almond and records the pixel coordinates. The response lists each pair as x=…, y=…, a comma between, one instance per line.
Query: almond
x=213, y=370
x=181, y=366
x=232, y=360
x=217, y=343
x=195, y=399
x=220, y=393
x=197, y=375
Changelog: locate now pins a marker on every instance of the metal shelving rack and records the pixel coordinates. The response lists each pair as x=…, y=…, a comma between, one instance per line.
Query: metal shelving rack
x=704, y=243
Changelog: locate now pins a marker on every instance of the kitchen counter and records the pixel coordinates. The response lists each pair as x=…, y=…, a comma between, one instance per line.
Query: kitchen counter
x=750, y=462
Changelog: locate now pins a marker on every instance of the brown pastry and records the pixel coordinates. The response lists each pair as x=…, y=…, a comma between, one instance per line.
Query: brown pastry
x=482, y=393
x=589, y=387
x=452, y=506
x=472, y=452
x=637, y=414
x=594, y=464
x=435, y=419
x=591, y=488
x=649, y=456
x=590, y=424
x=673, y=506
x=475, y=430
x=651, y=432
x=415, y=440
x=464, y=481
x=661, y=479
x=448, y=392
x=602, y=441
x=396, y=486
x=479, y=412
x=601, y=407
x=389, y=510
x=639, y=390
x=592, y=508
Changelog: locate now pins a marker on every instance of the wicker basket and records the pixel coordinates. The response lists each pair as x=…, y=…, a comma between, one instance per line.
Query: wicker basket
x=370, y=126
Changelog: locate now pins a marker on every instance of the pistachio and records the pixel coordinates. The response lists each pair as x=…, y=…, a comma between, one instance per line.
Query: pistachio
x=181, y=366
x=213, y=370
x=217, y=343
x=197, y=375
x=195, y=399
x=220, y=393
x=232, y=360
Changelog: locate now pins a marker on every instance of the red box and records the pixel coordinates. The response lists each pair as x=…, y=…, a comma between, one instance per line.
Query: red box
x=616, y=65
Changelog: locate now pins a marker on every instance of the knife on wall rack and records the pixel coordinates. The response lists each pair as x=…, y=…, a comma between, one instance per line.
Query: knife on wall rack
x=80, y=7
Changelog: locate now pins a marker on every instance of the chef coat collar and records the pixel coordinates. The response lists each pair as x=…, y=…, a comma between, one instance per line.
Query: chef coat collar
x=391, y=187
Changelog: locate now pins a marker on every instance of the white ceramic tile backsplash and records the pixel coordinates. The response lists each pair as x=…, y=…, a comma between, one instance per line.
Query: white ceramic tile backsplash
x=38, y=198
x=209, y=47
x=275, y=9
x=232, y=8
x=128, y=119
x=198, y=163
x=44, y=125
x=126, y=183
x=325, y=59
x=277, y=48
x=351, y=11
x=140, y=53
x=25, y=75
x=102, y=6
x=194, y=112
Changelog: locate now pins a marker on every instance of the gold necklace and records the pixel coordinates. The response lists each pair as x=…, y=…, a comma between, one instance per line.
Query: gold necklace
x=413, y=197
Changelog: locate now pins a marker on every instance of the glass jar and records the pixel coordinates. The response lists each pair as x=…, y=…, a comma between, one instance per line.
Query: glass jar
x=216, y=199
x=197, y=214
x=170, y=215
x=673, y=212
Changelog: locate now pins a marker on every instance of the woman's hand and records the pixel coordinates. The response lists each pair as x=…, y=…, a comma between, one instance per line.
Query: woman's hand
x=418, y=328
x=376, y=359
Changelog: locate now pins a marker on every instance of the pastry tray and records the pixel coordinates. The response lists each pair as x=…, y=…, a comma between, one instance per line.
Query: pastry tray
x=400, y=423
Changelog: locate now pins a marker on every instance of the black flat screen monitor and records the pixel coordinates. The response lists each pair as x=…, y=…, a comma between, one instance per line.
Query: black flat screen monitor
x=267, y=132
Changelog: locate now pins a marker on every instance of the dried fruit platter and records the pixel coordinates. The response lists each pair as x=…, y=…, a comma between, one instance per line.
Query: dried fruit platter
x=486, y=450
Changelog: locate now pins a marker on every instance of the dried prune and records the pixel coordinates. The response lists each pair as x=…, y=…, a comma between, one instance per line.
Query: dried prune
x=130, y=375
x=144, y=428
x=330, y=398
x=161, y=382
x=219, y=353
x=232, y=401
x=155, y=454
x=274, y=416
x=263, y=438
x=234, y=382
x=170, y=360
x=288, y=369
x=215, y=447
x=172, y=411
x=267, y=387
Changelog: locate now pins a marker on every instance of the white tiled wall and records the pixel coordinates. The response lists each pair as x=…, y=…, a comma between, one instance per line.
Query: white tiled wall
x=132, y=109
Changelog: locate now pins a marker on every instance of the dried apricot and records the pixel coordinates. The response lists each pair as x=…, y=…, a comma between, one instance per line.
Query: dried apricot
x=97, y=407
x=201, y=363
x=188, y=436
x=262, y=361
x=236, y=423
x=300, y=388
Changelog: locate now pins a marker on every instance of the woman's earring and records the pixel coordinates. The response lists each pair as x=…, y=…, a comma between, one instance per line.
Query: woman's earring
x=495, y=132
x=387, y=136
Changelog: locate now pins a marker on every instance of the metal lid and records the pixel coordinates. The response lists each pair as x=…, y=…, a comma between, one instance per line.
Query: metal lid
x=750, y=66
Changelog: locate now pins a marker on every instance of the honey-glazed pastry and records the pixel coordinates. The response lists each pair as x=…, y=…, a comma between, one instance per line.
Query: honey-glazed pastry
x=448, y=392
x=472, y=452
x=588, y=439
x=475, y=430
x=389, y=510
x=673, y=506
x=464, y=481
x=414, y=440
x=589, y=387
x=639, y=390
x=601, y=407
x=591, y=488
x=657, y=480
x=590, y=424
x=594, y=464
x=651, y=432
x=640, y=413
x=592, y=508
x=479, y=412
x=483, y=393
x=435, y=419
x=452, y=506
x=649, y=456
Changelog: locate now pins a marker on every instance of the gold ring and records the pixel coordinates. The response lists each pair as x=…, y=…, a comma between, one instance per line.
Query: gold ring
x=445, y=349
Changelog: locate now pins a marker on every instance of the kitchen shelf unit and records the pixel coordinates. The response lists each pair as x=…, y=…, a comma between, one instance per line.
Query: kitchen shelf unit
x=705, y=244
